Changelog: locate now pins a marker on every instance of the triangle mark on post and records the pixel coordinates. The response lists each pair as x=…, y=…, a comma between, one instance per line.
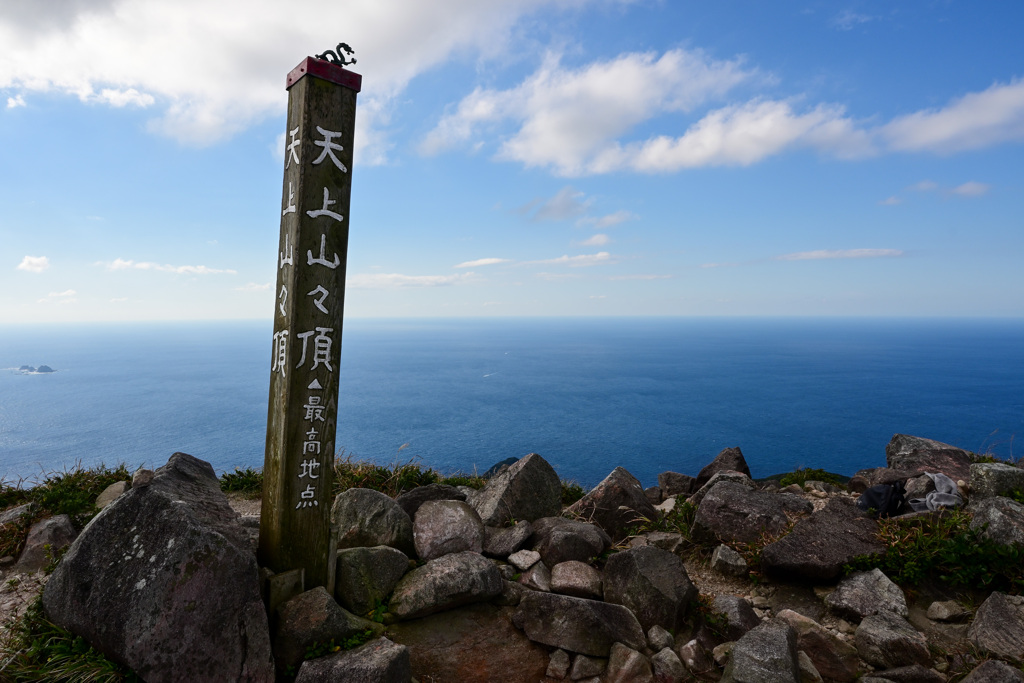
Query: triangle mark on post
x=315, y=384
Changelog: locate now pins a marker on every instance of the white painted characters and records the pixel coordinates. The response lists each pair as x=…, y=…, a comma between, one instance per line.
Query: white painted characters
x=319, y=303
x=329, y=146
x=280, y=355
x=322, y=260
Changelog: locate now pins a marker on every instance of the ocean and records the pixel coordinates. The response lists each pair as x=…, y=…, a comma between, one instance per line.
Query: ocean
x=590, y=394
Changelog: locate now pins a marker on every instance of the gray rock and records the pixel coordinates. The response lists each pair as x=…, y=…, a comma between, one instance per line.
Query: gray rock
x=676, y=484
x=142, y=477
x=524, y=559
x=915, y=673
x=994, y=671
x=411, y=500
x=998, y=627
x=998, y=519
x=734, y=477
x=834, y=659
x=727, y=561
x=529, y=489
x=537, y=577
x=46, y=537
x=728, y=460
x=617, y=505
x=561, y=540
x=918, y=487
x=378, y=661
x=444, y=583
x=511, y=594
x=766, y=654
x=948, y=610
x=652, y=583
x=585, y=626
x=695, y=657
x=309, y=618
x=666, y=540
x=587, y=667
x=808, y=672
x=991, y=479
x=739, y=615
x=653, y=494
x=886, y=640
x=822, y=543
x=503, y=541
x=558, y=664
x=658, y=638
x=15, y=513
x=365, y=518
x=366, y=576
x=626, y=665
x=912, y=455
x=666, y=666
x=446, y=526
x=731, y=512
x=163, y=581
x=576, y=578
x=865, y=593
x=111, y=492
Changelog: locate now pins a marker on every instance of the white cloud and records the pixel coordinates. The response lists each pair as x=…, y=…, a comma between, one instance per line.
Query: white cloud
x=924, y=186
x=124, y=98
x=973, y=121
x=16, y=101
x=65, y=297
x=971, y=189
x=399, y=281
x=65, y=293
x=34, y=264
x=891, y=201
x=640, y=277
x=848, y=19
x=608, y=220
x=839, y=254
x=123, y=264
x=600, y=258
x=568, y=203
x=598, y=240
x=255, y=287
x=481, y=262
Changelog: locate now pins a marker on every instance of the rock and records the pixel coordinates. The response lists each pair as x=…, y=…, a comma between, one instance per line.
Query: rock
x=366, y=576
x=729, y=460
x=446, y=526
x=721, y=653
x=46, y=538
x=576, y=578
x=998, y=627
x=529, y=489
x=834, y=659
x=693, y=655
x=886, y=640
x=561, y=540
x=524, y=559
x=949, y=610
x=915, y=673
x=731, y=512
x=378, y=661
x=666, y=540
x=739, y=615
x=584, y=667
x=653, y=494
x=309, y=618
x=822, y=543
x=667, y=667
x=472, y=644
x=499, y=467
x=558, y=664
x=444, y=583
x=994, y=671
x=162, y=580
x=675, y=484
x=735, y=477
x=411, y=500
x=365, y=518
x=998, y=519
x=537, y=577
x=142, y=477
x=626, y=665
x=865, y=593
x=658, y=638
x=503, y=541
x=511, y=594
x=44, y=368
x=585, y=626
x=111, y=492
x=913, y=455
x=16, y=513
x=617, y=504
x=808, y=672
x=918, y=487
x=991, y=479
x=727, y=561
x=652, y=583
x=766, y=654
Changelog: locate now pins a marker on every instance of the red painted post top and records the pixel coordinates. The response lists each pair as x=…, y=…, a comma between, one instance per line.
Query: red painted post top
x=325, y=70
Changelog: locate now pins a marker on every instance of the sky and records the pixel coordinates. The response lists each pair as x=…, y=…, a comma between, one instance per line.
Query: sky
x=521, y=157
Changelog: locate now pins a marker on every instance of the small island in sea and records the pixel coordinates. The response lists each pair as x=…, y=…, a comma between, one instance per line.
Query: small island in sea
x=29, y=370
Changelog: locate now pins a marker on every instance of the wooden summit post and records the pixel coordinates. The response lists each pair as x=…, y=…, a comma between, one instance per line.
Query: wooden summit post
x=298, y=467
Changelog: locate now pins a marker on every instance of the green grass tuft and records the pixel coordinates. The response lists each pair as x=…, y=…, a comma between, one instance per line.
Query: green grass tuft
x=801, y=476
x=248, y=481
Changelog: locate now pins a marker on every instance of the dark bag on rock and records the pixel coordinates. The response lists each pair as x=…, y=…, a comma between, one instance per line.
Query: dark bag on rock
x=884, y=499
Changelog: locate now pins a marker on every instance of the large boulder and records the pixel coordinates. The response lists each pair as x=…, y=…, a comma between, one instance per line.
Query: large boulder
x=576, y=578
x=378, y=661
x=739, y=615
x=731, y=512
x=727, y=475
x=676, y=484
x=886, y=640
x=616, y=505
x=822, y=543
x=989, y=479
x=766, y=654
x=835, y=659
x=865, y=593
x=998, y=627
x=561, y=540
x=446, y=526
x=529, y=489
x=503, y=541
x=912, y=455
x=366, y=576
x=311, y=618
x=588, y=627
x=365, y=518
x=444, y=583
x=411, y=500
x=46, y=538
x=626, y=665
x=163, y=581
x=728, y=460
x=999, y=519
x=652, y=583
x=994, y=671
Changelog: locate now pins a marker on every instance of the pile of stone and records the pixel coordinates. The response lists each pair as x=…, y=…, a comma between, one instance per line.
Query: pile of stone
x=505, y=584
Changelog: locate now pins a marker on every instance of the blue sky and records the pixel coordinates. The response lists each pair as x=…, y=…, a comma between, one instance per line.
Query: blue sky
x=539, y=157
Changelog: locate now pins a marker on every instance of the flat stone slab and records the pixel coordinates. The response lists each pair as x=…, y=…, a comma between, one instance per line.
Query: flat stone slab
x=444, y=583
x=588, y=627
